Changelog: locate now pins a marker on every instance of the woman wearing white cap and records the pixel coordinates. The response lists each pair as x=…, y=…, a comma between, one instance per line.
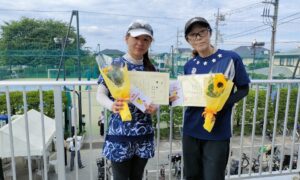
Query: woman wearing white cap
x=130, y=144
x=206, y=153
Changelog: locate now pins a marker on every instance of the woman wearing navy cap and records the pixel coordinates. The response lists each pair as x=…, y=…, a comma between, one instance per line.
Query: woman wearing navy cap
x=130, y=144
x=206, y=153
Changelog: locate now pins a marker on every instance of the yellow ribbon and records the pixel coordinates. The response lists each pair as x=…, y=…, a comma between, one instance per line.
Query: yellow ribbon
x=209, y=115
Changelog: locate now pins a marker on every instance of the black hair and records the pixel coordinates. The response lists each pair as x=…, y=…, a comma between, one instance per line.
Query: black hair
x=148, y=66
x=195, y=53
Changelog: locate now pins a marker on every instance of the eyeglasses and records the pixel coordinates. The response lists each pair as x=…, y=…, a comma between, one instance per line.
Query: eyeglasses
x=137, y=25
x=202, y=33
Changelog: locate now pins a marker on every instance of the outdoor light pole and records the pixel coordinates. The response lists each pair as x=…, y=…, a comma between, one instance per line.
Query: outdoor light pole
x=98, y=45
x=75, y=13
x=254, y=45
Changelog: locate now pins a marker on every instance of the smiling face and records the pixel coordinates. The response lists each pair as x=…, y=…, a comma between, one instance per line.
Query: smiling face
x=138, y=46
x=199, y=39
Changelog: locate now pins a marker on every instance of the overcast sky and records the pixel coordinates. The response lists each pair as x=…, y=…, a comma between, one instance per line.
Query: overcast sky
x=105, y=22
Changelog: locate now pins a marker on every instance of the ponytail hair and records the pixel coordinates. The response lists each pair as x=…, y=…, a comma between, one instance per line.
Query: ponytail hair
x=148, y=66
x=195, y=53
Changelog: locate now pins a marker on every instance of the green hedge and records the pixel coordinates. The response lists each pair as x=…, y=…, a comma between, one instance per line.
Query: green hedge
x=33, y=101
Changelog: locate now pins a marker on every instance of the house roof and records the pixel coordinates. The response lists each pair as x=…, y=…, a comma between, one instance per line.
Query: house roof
x=183, y=50
x=291, y=53
x=112, y=52
x=160, y=55
x=247, y=52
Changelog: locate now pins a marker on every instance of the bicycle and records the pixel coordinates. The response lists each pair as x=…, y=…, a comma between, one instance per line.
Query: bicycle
x=176, y=165
x=269, y=133
x=101, y=169
x=235, y=164
x=297, y=133
x=287, y=131
x=146, y=174
x=265, y=151
x=162, y=171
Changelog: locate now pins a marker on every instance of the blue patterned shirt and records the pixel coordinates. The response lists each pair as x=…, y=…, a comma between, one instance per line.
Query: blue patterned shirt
x=126, y=139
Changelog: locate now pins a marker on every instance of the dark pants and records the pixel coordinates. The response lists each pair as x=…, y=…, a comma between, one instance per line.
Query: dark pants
x=66, y=158
x=72, y=131
x=203, y=159
x=78, y=160
x=102, y=129
x=131, y=169
x=1, y=170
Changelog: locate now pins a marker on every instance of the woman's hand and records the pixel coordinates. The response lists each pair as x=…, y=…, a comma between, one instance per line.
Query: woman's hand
x=172, y=98
x=118, y=105
x=151, y=109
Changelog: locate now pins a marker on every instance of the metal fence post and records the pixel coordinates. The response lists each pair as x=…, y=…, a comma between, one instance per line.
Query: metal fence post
x=60, y=162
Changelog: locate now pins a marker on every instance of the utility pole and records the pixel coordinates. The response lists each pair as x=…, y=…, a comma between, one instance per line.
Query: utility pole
x=217, y=29
x=266, y=14
x=219, y=17
x=172, y=60
x=177, y=38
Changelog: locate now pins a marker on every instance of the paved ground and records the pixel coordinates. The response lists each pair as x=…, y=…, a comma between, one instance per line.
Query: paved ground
x=89, y=159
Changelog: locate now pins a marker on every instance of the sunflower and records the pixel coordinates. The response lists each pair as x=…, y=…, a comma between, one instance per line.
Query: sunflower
x=219, y=83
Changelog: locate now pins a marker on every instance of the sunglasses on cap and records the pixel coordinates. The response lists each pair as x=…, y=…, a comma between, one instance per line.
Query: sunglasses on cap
x=139, y=25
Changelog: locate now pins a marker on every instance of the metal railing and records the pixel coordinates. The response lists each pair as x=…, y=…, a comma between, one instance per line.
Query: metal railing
x=254, y=152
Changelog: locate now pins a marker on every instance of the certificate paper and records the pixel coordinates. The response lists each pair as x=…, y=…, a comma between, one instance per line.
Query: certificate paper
x=154, y=85
x=193, y=89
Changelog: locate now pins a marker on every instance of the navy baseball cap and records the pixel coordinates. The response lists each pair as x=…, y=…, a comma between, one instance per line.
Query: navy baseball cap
x=194, y=20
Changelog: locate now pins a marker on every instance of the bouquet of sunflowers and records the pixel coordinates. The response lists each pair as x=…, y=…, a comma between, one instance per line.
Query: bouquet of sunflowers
x=217, y=90
x=117, y=80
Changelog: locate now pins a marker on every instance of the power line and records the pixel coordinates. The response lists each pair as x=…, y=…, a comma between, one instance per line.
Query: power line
x=131, y=15
x=250, y=31
x=249, y=42
x=247, y=32
x=242, y=9
x=289, y=20
x=247, y=21
x=33, y=10
x=92, y=12
x=290, y=16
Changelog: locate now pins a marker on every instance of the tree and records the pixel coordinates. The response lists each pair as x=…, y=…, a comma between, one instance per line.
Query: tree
x=30, y=42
